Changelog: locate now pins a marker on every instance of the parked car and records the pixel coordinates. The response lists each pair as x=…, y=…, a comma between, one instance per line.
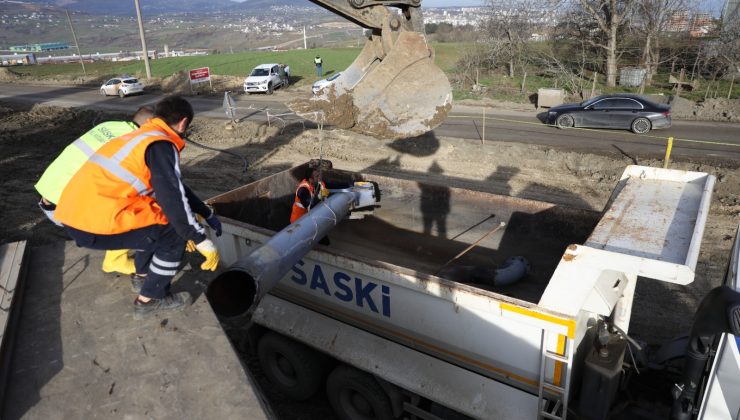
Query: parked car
x=621, y=111
x=317, y=86
x=121, y=86
x=266, y=78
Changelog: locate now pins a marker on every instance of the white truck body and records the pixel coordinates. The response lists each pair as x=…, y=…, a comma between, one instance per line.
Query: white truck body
x=468, y=347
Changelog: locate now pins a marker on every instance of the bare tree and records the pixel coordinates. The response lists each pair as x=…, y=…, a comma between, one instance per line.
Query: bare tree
x=609, y=16
x=651, y=20
x=510, y=27
x=729, y=39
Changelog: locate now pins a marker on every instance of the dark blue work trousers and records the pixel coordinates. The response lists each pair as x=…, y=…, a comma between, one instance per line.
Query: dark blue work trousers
x=159, y=251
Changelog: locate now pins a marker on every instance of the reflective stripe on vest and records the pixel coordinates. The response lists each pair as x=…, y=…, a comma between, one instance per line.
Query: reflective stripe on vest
x=113, y=164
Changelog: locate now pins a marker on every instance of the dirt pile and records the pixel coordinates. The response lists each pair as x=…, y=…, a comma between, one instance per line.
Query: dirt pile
x=7, y=75
x=713, y=109
x=179, y=84
x=718, y=109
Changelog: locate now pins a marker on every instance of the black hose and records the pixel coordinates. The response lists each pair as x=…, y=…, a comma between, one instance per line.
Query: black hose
x=203, y=146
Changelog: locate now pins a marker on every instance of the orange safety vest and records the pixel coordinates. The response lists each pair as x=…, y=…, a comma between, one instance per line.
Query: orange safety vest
x=112, y=192
x=298, y=209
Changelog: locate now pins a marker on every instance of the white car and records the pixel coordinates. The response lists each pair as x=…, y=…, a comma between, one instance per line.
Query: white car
x=121, y=86
x=324, y=83
x=265, y=78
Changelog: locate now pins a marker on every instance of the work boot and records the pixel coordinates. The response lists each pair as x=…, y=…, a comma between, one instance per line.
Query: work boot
x=171, y=302
x=137, y=281
x=119, y=262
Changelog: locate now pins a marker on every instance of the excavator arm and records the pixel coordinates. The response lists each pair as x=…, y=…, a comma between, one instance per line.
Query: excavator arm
x=393, y=89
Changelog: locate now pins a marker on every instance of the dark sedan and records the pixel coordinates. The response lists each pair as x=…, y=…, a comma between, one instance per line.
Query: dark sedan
x=630, y=112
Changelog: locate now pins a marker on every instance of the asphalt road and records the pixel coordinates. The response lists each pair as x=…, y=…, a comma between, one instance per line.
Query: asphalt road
x=694, y=140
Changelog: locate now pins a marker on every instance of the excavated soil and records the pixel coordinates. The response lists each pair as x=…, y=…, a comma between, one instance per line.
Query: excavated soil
x=30, y=138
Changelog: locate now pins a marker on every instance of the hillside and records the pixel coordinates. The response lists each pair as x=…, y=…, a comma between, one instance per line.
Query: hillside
x=118, y=7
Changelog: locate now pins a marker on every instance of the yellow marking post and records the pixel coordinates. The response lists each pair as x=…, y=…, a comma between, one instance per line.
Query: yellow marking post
x=668, y=148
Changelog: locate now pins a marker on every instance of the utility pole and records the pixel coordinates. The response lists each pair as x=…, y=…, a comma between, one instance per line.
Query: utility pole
x=143, y=41
x=77, y=45
x=305, y=46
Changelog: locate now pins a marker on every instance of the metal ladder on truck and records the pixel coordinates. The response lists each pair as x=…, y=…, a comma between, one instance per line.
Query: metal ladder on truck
x=557, y=408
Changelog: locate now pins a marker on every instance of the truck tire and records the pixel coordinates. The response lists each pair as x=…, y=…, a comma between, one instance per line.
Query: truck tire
x=269, y=89
x=356, y=395
x=296, y=370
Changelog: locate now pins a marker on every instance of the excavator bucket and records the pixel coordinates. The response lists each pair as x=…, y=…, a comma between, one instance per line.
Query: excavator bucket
x=392, y=90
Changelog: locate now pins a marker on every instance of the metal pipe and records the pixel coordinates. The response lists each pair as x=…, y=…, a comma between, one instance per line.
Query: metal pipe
x=235, y=293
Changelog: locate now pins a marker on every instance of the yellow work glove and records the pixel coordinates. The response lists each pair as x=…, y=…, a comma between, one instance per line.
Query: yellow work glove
x=208, y=250
x=323, y=192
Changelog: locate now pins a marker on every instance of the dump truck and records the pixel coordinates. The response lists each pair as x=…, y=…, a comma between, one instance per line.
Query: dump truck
x=392, y=321
x=393, y=89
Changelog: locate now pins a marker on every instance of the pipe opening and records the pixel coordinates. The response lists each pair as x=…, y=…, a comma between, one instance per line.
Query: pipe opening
x=232, y=293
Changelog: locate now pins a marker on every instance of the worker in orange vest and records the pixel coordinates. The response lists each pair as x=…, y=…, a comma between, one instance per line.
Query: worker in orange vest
x=307, y=196
x=129, y=195
x=55, y=178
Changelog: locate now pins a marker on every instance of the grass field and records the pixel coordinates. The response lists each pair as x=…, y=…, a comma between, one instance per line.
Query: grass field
x=237, y=64
x=336, y=59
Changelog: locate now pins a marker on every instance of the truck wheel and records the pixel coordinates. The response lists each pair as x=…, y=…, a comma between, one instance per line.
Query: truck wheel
x=356, y=395
x=269, y=89
x=297, y=370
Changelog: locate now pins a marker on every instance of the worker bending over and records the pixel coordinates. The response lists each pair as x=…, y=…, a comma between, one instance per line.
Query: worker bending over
x=129, y=194
x=60, y=171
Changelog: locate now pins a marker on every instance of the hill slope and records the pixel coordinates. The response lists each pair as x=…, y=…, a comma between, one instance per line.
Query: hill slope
x=118, y=7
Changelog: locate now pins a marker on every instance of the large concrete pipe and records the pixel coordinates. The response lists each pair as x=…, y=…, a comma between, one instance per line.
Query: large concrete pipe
x=234, y=294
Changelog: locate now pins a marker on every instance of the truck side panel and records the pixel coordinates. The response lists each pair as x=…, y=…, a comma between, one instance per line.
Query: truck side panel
x=462, y=390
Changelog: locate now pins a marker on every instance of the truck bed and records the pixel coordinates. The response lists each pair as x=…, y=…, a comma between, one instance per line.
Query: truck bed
x=421, y=226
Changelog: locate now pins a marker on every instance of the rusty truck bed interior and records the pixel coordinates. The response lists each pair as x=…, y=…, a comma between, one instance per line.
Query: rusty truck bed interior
x=422, y=226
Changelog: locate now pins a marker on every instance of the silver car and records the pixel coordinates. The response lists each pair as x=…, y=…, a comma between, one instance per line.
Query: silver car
x=620, y=111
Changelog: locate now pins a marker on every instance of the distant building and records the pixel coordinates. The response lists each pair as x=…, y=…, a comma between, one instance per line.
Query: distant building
x=701, y=25
x=48, y=46
x=17, y=59
x=678, y=21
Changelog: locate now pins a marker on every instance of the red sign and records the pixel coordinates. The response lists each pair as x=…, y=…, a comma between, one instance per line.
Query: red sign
x=200, y=75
